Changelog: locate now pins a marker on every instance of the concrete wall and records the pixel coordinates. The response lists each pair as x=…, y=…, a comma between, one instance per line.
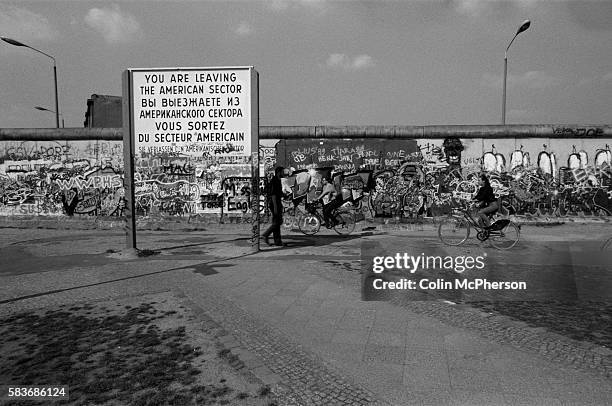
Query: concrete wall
x=535, y=176
x=85, y=178
x=538, y=176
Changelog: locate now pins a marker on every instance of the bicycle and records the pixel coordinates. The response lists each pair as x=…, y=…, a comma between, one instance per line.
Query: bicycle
x=455, y=229
x=309, y=222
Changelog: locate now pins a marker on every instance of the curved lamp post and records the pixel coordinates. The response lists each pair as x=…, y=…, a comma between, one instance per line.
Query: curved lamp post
x=20, y=44
x=50, y=111
x=522, y=28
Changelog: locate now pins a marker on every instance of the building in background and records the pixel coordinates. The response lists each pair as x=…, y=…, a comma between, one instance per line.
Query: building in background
x=103, y=112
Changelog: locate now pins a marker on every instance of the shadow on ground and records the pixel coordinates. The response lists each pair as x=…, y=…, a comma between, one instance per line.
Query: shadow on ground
x=130, y=352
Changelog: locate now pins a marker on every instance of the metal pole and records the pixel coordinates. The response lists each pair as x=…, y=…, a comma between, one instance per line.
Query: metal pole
x=128, y=163
x=57, y=114
x=505, y=79
x=522, y=28
x=504, y=94
x=255, y=129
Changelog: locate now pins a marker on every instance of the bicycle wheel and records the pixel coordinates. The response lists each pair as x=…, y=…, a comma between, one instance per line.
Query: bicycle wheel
x=505, y=238
x=454, y=230
x=345, y=222
x=607, y=245
x=309, y=224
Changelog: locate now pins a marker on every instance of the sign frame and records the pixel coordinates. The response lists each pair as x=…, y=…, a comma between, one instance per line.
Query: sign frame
x=129, y=142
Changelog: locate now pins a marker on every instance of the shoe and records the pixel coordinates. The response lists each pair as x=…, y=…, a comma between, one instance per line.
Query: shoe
x=279, y=244
x=267, y=240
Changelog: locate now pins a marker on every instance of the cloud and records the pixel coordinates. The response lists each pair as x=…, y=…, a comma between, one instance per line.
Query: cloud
x=280, y=6
x=114, y=25
x=24, y=25
x=344, y=62
x=477, y=8
x=530, y=80
x=243, y=29
x=472, y=8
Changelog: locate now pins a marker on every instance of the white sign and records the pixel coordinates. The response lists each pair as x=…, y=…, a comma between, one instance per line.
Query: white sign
x=201, y=112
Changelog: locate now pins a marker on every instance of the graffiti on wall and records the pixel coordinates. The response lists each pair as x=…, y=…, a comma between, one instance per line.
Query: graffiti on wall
x=405, y=178
x=428, y=182
x=267, y=158
x=170, y=184
x=344, y=156
x=61, y=178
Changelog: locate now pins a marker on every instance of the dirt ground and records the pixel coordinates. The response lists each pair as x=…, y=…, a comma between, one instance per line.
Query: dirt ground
x=146, y=350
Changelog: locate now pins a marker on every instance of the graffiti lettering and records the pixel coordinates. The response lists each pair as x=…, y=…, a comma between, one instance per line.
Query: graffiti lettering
x=578, y=132
x=234, y=204
x=211, y=201
x=178, y=169
x=81, y=182
x=30, y=151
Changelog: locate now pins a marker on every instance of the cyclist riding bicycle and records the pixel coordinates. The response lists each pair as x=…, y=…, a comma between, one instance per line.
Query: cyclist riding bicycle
x=331, y=201
x=488, y=202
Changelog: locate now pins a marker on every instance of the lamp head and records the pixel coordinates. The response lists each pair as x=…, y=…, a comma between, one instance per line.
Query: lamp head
x=13, y=42
x=523, y=27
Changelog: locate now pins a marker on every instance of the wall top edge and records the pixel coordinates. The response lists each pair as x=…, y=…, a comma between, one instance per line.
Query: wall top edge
x=374, y=131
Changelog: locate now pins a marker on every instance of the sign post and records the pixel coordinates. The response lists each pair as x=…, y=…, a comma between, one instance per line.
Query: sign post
x=128, y=163
x=200, y=114
x=255, y=192
x=255, y=208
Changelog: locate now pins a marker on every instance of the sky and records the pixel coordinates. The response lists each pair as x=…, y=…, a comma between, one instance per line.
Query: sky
x=323, y=62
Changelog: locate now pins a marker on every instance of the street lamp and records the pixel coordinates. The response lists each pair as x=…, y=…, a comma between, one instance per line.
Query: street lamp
x=51, y=111
x=522, y=28
x=20, y=44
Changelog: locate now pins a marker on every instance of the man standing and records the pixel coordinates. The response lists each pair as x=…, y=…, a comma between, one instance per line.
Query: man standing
x=275, y=196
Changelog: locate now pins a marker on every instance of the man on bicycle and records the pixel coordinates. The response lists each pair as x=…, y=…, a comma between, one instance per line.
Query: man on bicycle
x=488, y=203
x=331, y=201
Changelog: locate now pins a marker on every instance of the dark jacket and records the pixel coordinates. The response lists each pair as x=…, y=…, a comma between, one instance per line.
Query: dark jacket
x=275, y=193
x=486, y=195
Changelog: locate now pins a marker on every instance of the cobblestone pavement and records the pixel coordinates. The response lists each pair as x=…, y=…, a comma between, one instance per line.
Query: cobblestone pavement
x=583, y=321
x=559, y=336
x=305, y=377
x=576, y=333
x=552, y=346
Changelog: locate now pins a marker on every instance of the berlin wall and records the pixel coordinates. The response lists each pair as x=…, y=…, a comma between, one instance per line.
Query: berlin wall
x=536, y=176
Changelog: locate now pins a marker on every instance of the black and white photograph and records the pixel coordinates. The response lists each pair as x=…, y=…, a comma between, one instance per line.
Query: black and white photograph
x=306, y=202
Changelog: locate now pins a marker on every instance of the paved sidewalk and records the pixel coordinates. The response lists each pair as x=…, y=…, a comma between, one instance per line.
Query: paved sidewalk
x=299, y=311
x=209, y=223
